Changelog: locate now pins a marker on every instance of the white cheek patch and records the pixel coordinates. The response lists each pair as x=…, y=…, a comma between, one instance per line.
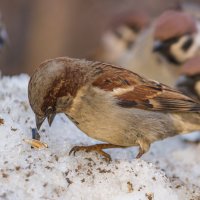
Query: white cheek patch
x=120, y=91
x=197, y=88
x=117, y=46
x=181, y=55
x=112, y=43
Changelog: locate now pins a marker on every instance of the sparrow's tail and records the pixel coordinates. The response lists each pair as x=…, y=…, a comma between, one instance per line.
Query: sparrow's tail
x=187, y=122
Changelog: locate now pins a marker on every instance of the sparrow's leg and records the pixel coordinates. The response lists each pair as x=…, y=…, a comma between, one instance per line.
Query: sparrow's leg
x=97, y=148
x=143, y=147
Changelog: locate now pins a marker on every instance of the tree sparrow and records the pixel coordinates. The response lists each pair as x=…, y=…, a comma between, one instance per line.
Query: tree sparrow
x=160, y=51
x=121, y=36
x=189, y=84
x=189, y=81
x=110, y=104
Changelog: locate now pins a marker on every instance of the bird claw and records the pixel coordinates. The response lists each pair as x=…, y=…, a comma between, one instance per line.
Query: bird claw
x=74, y=150
x=87, y=149
x=139, y=154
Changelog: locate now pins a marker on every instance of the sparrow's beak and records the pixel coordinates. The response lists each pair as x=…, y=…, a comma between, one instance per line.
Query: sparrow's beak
x=39, y=121
x=50, y=118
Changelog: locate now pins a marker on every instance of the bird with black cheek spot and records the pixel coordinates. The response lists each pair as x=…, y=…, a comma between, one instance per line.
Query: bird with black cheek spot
x=159, y=52
x=189, y=80
x=189, y=84
x=110, y=104
x=120, y=36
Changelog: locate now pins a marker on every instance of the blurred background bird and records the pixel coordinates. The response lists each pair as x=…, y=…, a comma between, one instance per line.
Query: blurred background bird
x=159, y=52
x=189, y=84
x=189, y=81
x=121, y=36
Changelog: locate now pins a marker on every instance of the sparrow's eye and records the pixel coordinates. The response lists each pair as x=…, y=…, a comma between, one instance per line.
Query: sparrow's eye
x=187, y=44
x=49, y=111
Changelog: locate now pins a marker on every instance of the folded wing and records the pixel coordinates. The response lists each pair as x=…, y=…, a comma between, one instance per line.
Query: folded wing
x=134, y=91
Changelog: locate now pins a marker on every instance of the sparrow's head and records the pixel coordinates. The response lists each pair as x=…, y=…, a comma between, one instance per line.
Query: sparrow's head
x=189, y=81
x=175, y=36
x=52, y=88
x=125, y=29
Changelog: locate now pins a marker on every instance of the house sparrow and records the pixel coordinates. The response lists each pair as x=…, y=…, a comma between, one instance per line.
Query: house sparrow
x=110, y=104
x=120, y=37
x=189, y=81
x=164, y=47
x=189, y=84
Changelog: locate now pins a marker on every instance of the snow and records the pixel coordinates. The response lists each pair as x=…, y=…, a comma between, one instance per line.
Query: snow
x=170, y=170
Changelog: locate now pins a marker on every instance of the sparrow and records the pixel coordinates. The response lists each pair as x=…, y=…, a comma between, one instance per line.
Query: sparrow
x=120, y=36
x=189, y=84
x=189, y=80
x=110, y=104
x=159, y=52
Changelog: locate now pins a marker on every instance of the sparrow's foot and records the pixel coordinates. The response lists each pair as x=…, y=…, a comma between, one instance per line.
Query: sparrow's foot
x=97, y=148
x=140, y=153
x=143, y=148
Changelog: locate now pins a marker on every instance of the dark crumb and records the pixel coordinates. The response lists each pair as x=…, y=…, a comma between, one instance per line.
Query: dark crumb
x=1, y=121
x=66, y=173
x=139, y=188
x=78, y=168
x=4, y=175
x=136, y=175
x=89, y=159
x=89, y=172
x=35, y=134
x=89, y=164
x=130, y=186
x=47, y=167
x=26, y=179
x=56, y=158
x=103, y=170
x=45, y=184
x=178, y=186
x=69, y=181
x=13, y=129
x=17, y=168
x=154, y=178
x=5, y=162
x=83, y=180
x=150, y=196
x=29, y=174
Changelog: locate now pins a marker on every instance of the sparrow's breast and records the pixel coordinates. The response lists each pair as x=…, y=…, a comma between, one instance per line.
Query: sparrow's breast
x=101, y=118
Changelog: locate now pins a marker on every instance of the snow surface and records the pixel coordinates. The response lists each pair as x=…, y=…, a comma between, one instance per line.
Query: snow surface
x=170, y=170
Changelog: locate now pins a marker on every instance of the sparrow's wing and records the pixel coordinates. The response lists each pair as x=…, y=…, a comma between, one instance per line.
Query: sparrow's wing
x=131, y=90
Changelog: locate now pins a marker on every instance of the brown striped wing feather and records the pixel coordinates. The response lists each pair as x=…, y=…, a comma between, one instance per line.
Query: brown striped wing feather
x=145, y=94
